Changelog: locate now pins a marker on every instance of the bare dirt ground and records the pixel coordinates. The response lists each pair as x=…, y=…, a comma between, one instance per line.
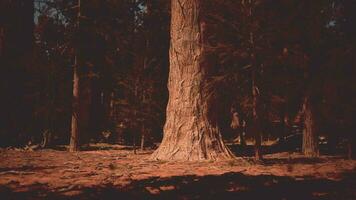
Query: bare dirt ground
x=118, y=173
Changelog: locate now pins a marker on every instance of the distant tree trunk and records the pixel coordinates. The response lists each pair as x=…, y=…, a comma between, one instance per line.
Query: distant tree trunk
x=237, y=124
x=74, y=138
x=191, y=131
x=256, y=124
x=134, y=142
x=75, y=128
x=109, y=108
x=235, y=121
x=79, y=108
x=349, y=150
x=310, y=138
x=284, y=123
x=47, y=139
x=243, y=133
x=351, y=144
x=142, y=141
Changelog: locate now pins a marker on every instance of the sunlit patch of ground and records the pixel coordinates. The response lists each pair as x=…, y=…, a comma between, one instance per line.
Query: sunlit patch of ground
x=115, y=171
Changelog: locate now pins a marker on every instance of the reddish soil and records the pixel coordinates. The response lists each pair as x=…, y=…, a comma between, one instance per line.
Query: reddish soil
x=118, y=172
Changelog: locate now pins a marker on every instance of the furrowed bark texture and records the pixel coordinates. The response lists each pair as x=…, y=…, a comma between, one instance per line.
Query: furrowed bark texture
x=191, y=131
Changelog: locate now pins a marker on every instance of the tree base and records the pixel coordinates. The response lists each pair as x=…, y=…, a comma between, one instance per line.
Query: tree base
x=311, y=154
x=168, y=152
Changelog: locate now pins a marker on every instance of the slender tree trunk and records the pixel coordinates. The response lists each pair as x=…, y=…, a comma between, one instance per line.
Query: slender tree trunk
x=76, y=126
x=142, y=141
x=47, y=139
x=351, y=137
x=256, y=125
x=191, y=131
x=134, y=143
x=243, y=133
x=351, y=146
x=310, y=138
x=284, y=123
x=237, y=124
x=74, y=138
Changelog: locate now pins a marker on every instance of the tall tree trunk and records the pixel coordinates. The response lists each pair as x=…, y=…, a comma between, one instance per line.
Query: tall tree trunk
x=74, y=137
x=256, y=118
x=191, y=131
x=78, y=113
x=310, y=138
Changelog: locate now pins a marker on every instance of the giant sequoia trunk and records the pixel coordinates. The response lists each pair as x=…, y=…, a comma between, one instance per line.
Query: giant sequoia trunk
x=310, y=138
x=191, y=131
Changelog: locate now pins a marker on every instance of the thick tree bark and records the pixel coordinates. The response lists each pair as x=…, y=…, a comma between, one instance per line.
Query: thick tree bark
x=191, y=131
x=310, y=138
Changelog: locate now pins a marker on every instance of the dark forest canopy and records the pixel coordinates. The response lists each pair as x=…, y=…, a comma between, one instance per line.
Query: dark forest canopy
x=88, y=71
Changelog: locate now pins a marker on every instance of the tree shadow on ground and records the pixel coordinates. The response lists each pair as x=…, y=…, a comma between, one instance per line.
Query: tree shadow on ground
x=239, y=186
x=249, y=150
x=238, y=150
x=225, y=186
x=291, y=161
x=101, y=146
x=25, y=168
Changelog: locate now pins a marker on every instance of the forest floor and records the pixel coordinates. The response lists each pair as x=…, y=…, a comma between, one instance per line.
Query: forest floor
x=115, y=172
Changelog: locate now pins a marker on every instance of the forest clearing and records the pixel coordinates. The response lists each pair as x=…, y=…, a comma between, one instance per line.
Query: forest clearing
x=178, y=99
x=116, y=172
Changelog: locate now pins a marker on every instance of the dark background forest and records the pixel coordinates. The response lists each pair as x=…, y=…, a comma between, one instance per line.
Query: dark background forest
x=121, y=48
x=298, y=50
x=177, y=99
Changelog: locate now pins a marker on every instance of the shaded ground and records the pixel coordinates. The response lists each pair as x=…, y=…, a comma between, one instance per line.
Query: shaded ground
x=117, y=173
